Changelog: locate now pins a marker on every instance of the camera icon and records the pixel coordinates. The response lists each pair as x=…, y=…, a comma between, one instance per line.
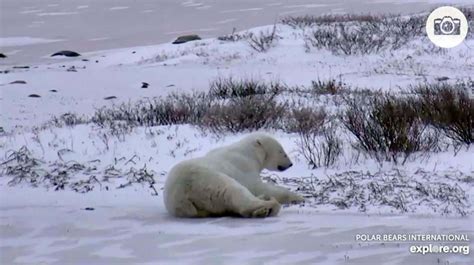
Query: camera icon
x=447, y=26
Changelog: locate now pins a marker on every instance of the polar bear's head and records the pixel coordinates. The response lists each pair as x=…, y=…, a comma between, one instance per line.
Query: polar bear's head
x=271, y=152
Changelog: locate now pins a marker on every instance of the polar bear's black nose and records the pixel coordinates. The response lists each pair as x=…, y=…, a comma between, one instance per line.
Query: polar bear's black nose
x=290, y=165
x=282, y=168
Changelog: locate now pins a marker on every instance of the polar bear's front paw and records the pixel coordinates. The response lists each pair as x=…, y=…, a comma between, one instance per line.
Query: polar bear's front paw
x=271, y=207
x=261, y=212
x=294, y=198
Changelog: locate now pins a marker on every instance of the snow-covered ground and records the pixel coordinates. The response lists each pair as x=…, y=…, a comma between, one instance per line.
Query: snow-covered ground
x=192, y=66
x=130, y=227
x=107, y=213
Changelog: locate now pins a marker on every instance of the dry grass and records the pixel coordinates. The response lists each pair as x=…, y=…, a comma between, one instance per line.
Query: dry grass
x=387, y=128
x=448, y=108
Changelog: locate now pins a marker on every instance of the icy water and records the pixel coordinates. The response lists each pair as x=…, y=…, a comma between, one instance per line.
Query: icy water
x=28, y=26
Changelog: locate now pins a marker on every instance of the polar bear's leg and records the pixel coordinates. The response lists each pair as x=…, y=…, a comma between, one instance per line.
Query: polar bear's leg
x=268, y=209
x=219, y=195
x=186, y=208
x=282, y=195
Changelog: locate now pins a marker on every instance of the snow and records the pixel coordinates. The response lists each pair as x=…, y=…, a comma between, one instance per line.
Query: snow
x=130, y=225
x=120, y=72
x=57, y=14
x=23, y=41
x=119, y=8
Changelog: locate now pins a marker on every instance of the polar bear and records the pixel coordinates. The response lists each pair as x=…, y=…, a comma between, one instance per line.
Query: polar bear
x=226, y=181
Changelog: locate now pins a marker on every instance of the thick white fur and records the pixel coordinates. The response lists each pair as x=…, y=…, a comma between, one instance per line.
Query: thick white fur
x=226, y=181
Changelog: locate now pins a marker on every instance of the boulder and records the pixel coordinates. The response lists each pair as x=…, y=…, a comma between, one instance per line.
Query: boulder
x=186, y=38
x=21, y=82
x=66, y=53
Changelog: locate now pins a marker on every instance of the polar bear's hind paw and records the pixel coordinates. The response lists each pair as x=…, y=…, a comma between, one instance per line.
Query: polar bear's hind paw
x=261, y=212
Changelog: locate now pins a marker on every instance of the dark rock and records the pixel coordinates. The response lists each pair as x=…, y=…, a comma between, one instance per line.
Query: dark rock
x=134, y=52
x=442, y=78
x=96, y=61
x=72, y=69
x=2, y=55
x=89, y=209
x=18, y=82
x=145, y=85
x=186, y=38
x=21, y=67
x=171, y=85
x=111, y=97
x=66, y=53
x=85, y=60
x=34, y=96
x=53, y=90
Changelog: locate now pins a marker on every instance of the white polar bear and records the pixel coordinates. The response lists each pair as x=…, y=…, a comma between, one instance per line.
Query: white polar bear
x=226, y=181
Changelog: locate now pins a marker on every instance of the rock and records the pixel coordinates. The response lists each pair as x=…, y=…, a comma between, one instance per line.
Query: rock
x=89, y=209
x=2, y=55
x=53, y=90
x=18, y=82
x=72, y=69
x=111, y=97
x=66, y=53
x=186, y=38
x=145, y=85
x=442, y=78
x=85, y=60
x=21, y=67
x=171, y=85
x=34, y=96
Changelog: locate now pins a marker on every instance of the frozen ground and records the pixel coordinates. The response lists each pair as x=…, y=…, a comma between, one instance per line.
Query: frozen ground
x=130, y=227
x=123, y=220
